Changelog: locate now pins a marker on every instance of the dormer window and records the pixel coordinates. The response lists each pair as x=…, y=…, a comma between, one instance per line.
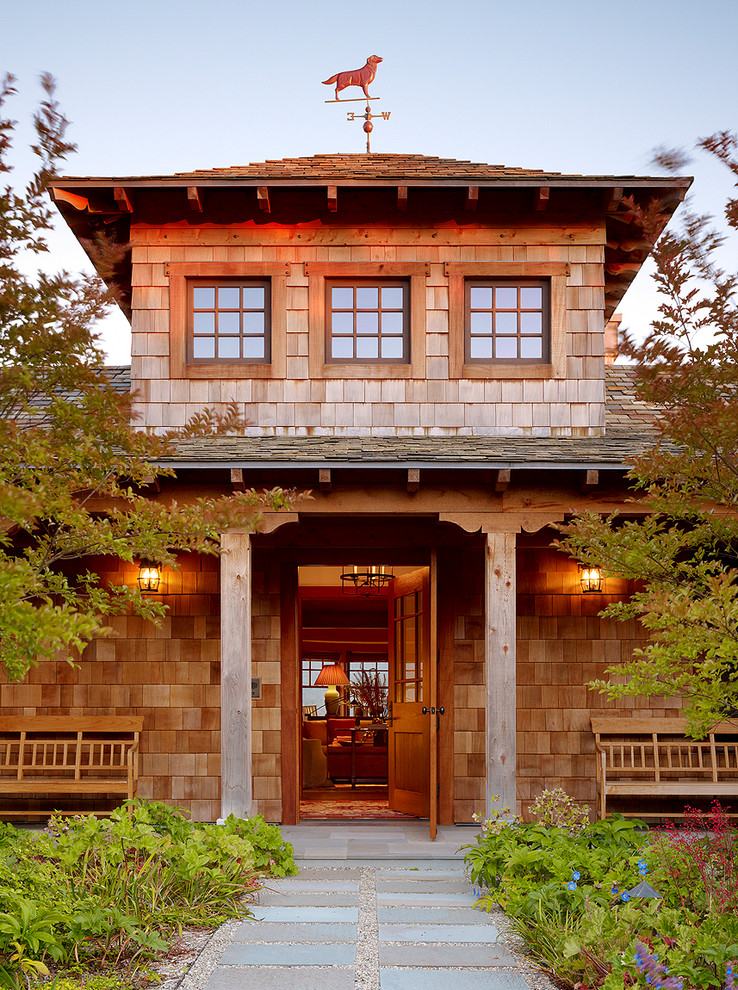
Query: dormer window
x=229, y=321
x=368, y=321
x=507, y=321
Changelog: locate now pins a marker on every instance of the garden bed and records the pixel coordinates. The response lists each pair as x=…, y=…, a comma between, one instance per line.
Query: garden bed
x=614, y=904
x=105, y=903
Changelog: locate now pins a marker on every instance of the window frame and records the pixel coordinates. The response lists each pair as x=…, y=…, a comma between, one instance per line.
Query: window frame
x=463, y=274
x=363, y=283
x=183, y=276
x=413, y=273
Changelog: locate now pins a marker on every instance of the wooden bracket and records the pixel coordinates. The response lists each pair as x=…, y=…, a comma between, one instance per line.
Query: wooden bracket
x=273, y=520
x=122, y=200
x=152, y=481
x=471, y=200
x=413, y=480
x=501, y=479
x=589, y=481
x=237, y=479
x=194, y=198
x=262, y=198
x=613, y=199
x=402, y=199
x=332, y=199
x=541, y=198
x=325, y=482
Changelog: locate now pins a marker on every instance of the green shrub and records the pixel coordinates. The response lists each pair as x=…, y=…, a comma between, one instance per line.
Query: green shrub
x=102, y=892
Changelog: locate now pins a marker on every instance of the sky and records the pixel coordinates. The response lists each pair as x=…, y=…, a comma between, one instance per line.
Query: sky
x=155, y=87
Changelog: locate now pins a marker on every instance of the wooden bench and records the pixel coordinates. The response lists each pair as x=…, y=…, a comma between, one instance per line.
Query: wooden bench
x=653, y=758
x=68, y=755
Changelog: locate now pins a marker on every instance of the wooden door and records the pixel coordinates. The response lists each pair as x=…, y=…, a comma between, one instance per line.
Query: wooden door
x=412, y=761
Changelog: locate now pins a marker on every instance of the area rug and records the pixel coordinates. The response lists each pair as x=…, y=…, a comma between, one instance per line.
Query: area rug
x=351, y=809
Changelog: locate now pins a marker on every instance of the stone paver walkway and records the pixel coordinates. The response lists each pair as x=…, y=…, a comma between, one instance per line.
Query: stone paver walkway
x=370, y=924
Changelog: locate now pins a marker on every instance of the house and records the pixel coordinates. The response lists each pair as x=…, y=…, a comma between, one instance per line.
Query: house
x=426, y=345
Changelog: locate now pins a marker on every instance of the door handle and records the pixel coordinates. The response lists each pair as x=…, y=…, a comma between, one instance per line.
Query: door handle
x=433, y=711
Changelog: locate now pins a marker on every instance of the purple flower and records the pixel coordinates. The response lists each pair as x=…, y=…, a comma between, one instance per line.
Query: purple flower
x=576, y=875
x=625, y=895
x=572, y=885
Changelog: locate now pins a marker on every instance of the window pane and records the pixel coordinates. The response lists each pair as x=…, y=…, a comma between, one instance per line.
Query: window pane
x=342, y=347
x=506, y=297
x=531, y=297
x=253, y=347
x=228, y=347
x=343, y=322
x=392, y=323
x=203, y=322
x=228, y=323
x=203, y=347
x=481, y=323
x=367, y=347
x=531, y=322
x=367, y=297
x=203, y=298
x=506, y=347
x=253, y=297
x=506, y=323
x=253, y=323
x=531, y=347
x=480, y=297
x=229, y=297
x=342, y=298
x=367, y=323
x=392, y=297
x=392, y=347
x=481, y=348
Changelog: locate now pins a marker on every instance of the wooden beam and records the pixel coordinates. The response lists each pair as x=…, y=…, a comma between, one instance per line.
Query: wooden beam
x=332, y=199
x=194, y=198
x=64, y=196
x=501, y=479
x=402, y=198
x=589, y=481
x=413, y=479
x=235, y=675
x=237, y=479
x=541, y=197
x=472, y=198
x=262, y=198
x=499, y=652
x=613, y=198
x=122, y=199
x=324, y=480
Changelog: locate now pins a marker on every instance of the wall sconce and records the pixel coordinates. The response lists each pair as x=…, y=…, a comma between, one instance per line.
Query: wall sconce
x=591, y=578
x=149, y=576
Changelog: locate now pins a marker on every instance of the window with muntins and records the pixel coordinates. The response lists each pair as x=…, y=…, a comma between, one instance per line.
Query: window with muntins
x=368, y=322
x=507, y=321
x=229, y=321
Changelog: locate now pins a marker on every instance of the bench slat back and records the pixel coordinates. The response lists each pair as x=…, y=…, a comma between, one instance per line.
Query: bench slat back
x=71, y=723
x=74, y=748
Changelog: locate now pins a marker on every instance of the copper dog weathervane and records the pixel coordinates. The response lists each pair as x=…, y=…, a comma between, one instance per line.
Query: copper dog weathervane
x=362, y=78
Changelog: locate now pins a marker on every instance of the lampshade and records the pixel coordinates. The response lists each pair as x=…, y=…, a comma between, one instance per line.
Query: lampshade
x=332, y=673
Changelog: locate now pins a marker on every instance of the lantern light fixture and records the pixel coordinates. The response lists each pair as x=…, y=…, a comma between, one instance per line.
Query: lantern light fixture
x=591, y=579
x=149, y=576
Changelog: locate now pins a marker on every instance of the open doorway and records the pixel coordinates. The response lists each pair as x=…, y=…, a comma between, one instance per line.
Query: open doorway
x=361, y=653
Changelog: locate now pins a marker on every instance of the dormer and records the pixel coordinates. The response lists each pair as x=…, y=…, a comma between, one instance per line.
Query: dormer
x=373, y=295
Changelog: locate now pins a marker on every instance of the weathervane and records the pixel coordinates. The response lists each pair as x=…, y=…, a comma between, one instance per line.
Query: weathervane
x=362, y=78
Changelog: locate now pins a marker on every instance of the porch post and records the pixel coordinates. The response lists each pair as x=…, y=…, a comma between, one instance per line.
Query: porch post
x=500, y=634
x=235, y=675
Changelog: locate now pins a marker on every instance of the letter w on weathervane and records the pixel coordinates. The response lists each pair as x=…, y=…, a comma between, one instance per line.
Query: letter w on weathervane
x=355, y=77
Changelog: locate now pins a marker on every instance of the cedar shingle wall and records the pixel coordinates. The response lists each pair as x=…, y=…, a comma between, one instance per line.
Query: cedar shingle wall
x=562, y=645
x=169, y=674
x=436, y=406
